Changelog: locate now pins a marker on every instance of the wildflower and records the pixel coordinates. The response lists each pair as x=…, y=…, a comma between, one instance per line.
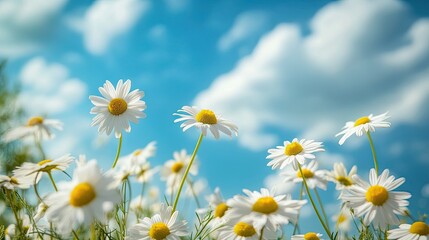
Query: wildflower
x=137, y=158
x=417, y=230
x=37, y=127
x=244, y=231
x=293, y=153
x=340, y=177
x=117, y=108
x=363, y=125
x=12, y=182
x=343, y=219
x=376, y=200
x=308, y=236
x=314, y=177
x=205, y=119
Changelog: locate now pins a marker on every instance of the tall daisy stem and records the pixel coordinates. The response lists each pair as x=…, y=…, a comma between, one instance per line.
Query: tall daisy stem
x=197, y=146
x=118, y=152
x=39, y=146
x=191, y=186
x=323, y=209
x=312, y=202
x=373, y=152
x=262, y=234
x=52, y=181
x=301, y=191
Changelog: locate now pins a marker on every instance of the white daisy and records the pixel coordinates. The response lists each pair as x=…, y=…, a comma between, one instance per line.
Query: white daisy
x=339, y=176
x=263, y=209
x=145, y=172
x=117, y=108
x=343, y=219
x=86, y=198
x=205, y=119
x=415, y=231
x=363, y=125
x=160, y=226
x=37, y=127
x=308, y=236
x=9, y=232
x=244, y=231
x=376, y=200
x=293, y=153
x=33, y=171
x=314, y=177
x=132, y=162
x=12, y=182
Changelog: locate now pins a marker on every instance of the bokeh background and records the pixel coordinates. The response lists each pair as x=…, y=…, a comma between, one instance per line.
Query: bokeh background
x=278, y=69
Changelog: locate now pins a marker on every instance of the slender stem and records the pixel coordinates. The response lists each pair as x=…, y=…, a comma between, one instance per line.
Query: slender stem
x=75, y=234
x=39, y=146
x=11, y=199
x=373, y=152
x=323, y=209
x=301, y=191
x=312, y=202
x=262, y=234
x=118, y=152
x=197, y=146
x=93, y=234
x=191, y=186
x=52, y=181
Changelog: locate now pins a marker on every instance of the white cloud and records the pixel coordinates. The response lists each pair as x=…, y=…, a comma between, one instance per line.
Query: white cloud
x=360, y=57
x=106, y=19
x=246, y=25
x=176, y=5
x=25, y=23
x=276, y=181
x=158, y=33
x=48, y=88
x=425, y=191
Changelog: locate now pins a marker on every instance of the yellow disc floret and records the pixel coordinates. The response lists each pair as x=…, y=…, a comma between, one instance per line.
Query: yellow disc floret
x=177, y=166
x=293, y=148
x=220, y=210
x=377, y=195
x=311, y=236
x=137, y=152
x=362, y=120
x=35, y=121
x=265, y=205
x=307, y=173
x=243, y=229
x=419, y=228
x=82, y=194
x=159, y=231
x=206, y=116
x=117, y=106
x=341, y=218
x=345, y=181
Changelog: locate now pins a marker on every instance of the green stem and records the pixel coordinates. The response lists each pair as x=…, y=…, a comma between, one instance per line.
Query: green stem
x=39, y=146
x=191, y=186
x=323, y=209
x=118, y=152
x=300, y=198
x=312, y=202
x=52, y=181
x=262, y=234
x=11, y=199
x=197, y=146
x=373, y=152
x=75, y=234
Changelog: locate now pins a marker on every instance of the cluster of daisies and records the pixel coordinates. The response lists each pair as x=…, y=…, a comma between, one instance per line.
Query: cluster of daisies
x=92, y=203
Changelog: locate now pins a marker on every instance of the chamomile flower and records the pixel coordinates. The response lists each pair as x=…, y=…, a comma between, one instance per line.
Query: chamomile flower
x=145, y=172
x=139, y=157
x=363, y=125
x=376, y=200
x=117, y=107
x=263, y=209
x=161, y=226
x=339, y=176
x=315, y=178
x=293, y=153
x=415, y=231
x=88, y=197
x=33, y=171
x=12, y=182
x=37, y=127
x=244, y=231
x=343, y=219
x=308, y=236
x=217, y=204
x=205, y=120
x=9, y=232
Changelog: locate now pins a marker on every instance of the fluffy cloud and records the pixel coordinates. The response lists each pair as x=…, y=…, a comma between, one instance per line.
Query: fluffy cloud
x=48, y=88
x=24, y=24
x=106, y=19
x=246, y=25
x=360, y=57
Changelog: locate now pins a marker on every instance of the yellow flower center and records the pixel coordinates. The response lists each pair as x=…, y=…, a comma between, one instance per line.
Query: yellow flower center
x=177, y=166
x=14, y=181
x=82, y=194
x=243, y=229
x=377, y=195
x=307, y=173
x=293, y=148
x=362, y=120
x=35, y=121
x=220, y=210
x=117, y=106
x=46, y=168
x=342, y=218
x=419, y=228
x=265, y=205
x=345, y=181
x=311, y=236
x=206, y=116
x=43, y=162
x=159, y=231
x=137, y=152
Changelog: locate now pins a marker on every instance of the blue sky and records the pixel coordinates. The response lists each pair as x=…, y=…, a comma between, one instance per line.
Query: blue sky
x=279, y=70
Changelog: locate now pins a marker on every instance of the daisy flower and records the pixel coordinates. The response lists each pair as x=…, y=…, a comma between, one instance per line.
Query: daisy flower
x=263, y=209
x=33, y=171
x=12, y=182
x=205, y=119
x=314, y=177
x=343, y=219
x=133, y=161
x=160, y=226
x=376, y=200
x=145, y=172
x=37, y=127
x=363, y=125
x=415, y=231
x=117, y=108
x=88, y=197
x=244, y=231
x=293, y=153
x=308, y=236
x=339, y=176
